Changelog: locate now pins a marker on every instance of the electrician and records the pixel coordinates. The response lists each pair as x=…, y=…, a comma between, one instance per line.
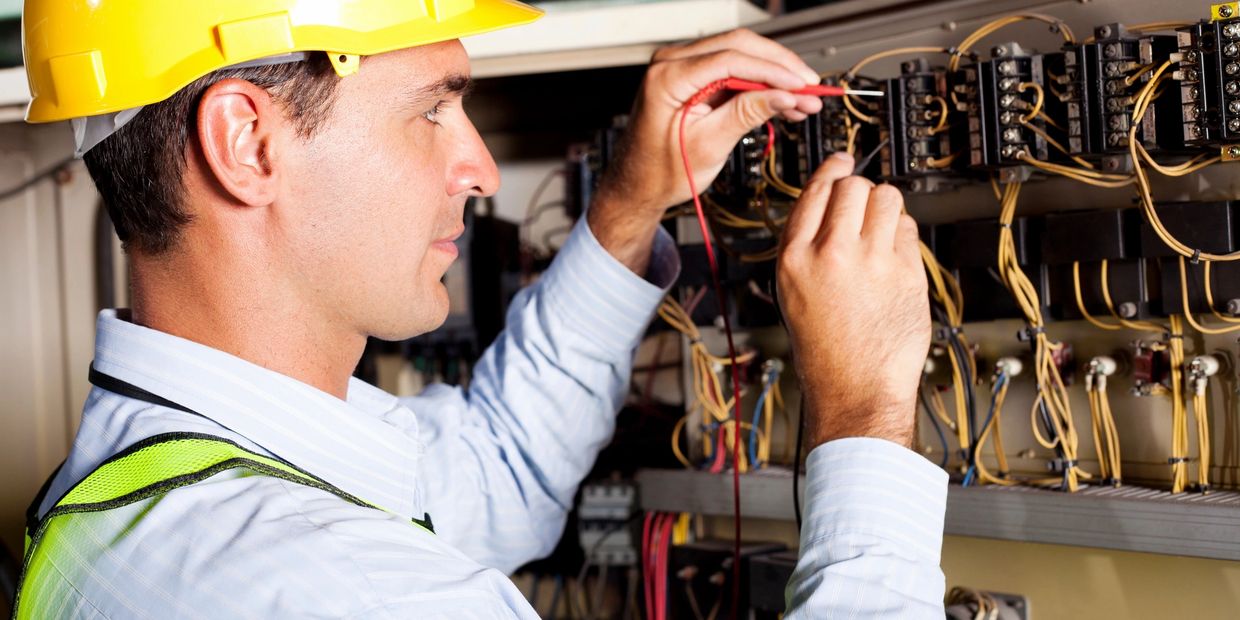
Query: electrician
x=288, y=177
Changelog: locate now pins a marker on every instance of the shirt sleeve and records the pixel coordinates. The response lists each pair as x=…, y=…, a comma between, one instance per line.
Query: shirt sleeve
x=872, y=534
x=503, y=460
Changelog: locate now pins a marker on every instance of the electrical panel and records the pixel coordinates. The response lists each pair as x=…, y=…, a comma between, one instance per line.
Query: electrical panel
x=1089, y=173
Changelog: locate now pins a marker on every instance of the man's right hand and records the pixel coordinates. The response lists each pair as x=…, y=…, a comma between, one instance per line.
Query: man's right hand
x=853, y=293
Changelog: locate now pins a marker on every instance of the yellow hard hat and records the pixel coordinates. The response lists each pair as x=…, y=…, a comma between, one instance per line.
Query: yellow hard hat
x=91, y=57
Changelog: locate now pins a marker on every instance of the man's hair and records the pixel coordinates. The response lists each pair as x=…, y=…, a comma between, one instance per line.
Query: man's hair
x=139, y=170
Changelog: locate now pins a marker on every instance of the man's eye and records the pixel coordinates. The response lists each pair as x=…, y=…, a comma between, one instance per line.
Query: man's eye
x=432, y=114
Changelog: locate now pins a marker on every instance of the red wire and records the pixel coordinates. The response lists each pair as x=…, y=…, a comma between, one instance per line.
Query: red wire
x=665, y=559
x=647, y=572
x=700, y=97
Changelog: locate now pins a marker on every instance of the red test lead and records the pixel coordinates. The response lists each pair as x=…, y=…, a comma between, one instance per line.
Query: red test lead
x=701, y=96
x=819, y=90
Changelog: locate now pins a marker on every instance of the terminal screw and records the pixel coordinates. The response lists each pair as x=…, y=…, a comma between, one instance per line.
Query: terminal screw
x=1225, y=11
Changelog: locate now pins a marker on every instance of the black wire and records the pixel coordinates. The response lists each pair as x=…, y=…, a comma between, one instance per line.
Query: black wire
x=865, y=161
x=28, y=183
x=969, y=396
x=925, y=405
x=797, y=449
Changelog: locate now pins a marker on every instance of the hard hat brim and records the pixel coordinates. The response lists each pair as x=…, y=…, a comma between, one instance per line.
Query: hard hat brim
x=94, y=84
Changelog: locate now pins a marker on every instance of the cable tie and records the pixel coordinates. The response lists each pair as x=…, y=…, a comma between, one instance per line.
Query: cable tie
x=1177, y=460
x=953, y=50
x=1196, y=259
x=1175, y=336
x=1029, y=333
x=1068, y=463
x=1005, y=226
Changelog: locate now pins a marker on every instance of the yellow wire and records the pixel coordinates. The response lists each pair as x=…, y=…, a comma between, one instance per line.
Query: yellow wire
x=1144, y=191
x=899, y=51
x=1060, y=147
x=680, y=456
x=1002, y=22
x=1052, y=393
x=1188, y=313
x=1144, y=326
x=1136, y=76
x=852, y=108
x=1157, y=26
x=1037, y=104
x=1209, y=286
x=1080, y=302
x=943, y=114
x=1179, y=417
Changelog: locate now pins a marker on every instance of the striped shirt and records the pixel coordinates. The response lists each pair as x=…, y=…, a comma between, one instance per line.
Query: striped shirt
x=496, y=466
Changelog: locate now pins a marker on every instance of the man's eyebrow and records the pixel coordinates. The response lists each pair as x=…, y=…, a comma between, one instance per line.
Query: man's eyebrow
x=455, y=84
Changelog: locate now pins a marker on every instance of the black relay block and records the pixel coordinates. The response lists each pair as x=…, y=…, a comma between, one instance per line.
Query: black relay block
x=705, y=568
x=1101, y=80
x=1209, y=74
x=1090, y=237
x=769, y=575
x=920, y=152
x=1208, y=226
x=971, y=250
x=989, y=92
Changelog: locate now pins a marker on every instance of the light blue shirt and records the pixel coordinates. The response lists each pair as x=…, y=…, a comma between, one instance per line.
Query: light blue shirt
x=496, y=467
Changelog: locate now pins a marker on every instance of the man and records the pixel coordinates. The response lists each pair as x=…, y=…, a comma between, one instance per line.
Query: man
x=279, y=207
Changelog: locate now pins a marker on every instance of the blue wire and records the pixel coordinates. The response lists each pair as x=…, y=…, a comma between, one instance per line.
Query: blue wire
x=1000, y=381
x=772, y=377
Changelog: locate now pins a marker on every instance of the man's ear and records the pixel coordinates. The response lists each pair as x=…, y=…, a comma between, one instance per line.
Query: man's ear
x=237, y=125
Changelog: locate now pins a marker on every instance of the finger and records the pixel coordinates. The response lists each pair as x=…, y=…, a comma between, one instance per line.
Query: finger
x=907, y=238
x=809, y=104
x=794, y=116
x=882, y=216
x=724, y=127
x=807, y=214
x=684, y=78
x=846, y=211
x=744, y=41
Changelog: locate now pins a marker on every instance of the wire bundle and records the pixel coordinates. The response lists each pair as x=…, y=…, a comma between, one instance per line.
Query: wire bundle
x=1106, y=438
x=707, y=392
x=656, y=545
x=1052, y=405
x=977, y=467
x=764, y=412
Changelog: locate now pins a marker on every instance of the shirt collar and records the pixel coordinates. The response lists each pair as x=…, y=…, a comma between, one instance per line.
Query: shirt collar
x=347, y=443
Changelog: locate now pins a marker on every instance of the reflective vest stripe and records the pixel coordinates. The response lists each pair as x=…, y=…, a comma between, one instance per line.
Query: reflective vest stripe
x=148, y=468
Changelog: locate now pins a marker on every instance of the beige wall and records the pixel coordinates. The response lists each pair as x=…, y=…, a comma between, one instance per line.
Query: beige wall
x=1075, y=582
x=47, y=308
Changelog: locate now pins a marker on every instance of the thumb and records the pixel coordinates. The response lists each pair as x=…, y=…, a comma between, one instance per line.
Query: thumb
x=727, y=124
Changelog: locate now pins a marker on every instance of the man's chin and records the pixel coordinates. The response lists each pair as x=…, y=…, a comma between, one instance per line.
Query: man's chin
x=416, y=323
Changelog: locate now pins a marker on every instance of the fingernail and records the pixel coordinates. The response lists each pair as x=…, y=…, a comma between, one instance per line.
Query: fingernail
x=842, y=157
x=811, y=76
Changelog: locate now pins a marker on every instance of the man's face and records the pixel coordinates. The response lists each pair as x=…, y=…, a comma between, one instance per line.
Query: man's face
x=378, y=194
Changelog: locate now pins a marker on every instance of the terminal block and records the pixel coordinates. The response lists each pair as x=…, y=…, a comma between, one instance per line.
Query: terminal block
x=997, y=97
x=1209, y=74
x=1100, y=85
x=820, y=136
x=742, y=174
x=919, y=153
